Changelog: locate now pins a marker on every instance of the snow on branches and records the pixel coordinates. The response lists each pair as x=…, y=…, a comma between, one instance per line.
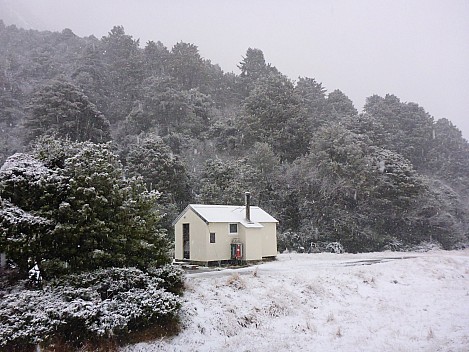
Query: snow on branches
x=105, y=302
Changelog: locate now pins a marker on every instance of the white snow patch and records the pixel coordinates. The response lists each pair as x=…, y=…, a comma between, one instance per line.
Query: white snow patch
x=328, y=302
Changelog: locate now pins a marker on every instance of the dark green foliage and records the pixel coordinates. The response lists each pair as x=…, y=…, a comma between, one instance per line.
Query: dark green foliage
x=60, y=108
x=298, y=242
x=165, y=107
x=448, y=157
x=226, y=135
x=90, y=75
x=442, y=215
x=366, y=125
x=363, y=196
x=30, y=193
x=112, y=281
x=224, y=182
x=108, y=220
x=125, y=71
x=11, y=115
x=79, y=213
x=339, y=105
x=186, y=65
x=253, y=67
x=156, y=58
x=274, y=115
x=23, y=235
x=313, y=98
x=160, y=169
x=408, y=127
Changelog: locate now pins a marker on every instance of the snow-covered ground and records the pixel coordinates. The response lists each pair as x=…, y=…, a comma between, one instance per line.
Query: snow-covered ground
x=328, y=302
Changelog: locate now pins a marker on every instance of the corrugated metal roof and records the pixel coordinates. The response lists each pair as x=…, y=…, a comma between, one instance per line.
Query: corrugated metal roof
x=230, y=214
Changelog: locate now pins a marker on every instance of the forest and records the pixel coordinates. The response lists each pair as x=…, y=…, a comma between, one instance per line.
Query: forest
x=388, y=177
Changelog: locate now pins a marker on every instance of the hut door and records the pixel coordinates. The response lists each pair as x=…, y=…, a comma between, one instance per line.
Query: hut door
x=186, y=246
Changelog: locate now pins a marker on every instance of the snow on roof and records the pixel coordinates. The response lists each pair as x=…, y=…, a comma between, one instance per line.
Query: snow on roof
x=230, y=214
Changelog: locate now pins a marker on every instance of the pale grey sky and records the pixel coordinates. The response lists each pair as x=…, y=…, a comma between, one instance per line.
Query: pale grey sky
x=415, y=49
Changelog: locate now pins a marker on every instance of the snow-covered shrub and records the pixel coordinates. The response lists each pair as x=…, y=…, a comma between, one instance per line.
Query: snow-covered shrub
x=106, y=282
x=306, y=242
x=335, y=247
x=426, y=246
x=90, y=305
x=172, y=277
x=297, y=242
x=27, y=317
x=394, y=244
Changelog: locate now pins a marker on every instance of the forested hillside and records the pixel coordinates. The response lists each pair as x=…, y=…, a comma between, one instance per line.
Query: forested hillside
x=387, y=177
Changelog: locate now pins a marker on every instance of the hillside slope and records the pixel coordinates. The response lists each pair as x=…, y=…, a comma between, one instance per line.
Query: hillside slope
x=328, y=302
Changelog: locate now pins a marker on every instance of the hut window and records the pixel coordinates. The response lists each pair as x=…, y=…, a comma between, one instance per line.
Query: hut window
x=233, y=228
x=212, y=237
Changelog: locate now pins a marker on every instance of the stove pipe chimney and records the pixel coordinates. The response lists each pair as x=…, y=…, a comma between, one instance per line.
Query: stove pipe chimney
x=248, y=206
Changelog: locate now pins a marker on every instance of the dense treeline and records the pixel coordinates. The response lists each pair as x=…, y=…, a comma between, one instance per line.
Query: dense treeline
x=386, y=177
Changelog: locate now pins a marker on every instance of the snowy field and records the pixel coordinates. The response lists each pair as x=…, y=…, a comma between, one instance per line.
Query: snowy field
x=328, y=302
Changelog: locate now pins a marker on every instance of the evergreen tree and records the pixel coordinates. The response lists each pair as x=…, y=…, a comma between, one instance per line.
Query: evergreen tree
x=152, y=160
x=273, y=114
x=448, y=158
x=160, y=169
x=61, y=108
x=167, y=108
x=125, y=71
x=186, y=65
x=354, y=193
x=367, y=125
x=253, y=65
x=225, y=135
x=313, y=99
x=220, y=86
x=156, y=59
x=22, y=235
x=43, y=65
x=263, y=161
x=107, y=218
x=79, y=215
x=339, y=105
x=408, y=127
x=442, y=216
x=90, y=75
x=11, y=116
x=226, y=182
x=31, y=194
